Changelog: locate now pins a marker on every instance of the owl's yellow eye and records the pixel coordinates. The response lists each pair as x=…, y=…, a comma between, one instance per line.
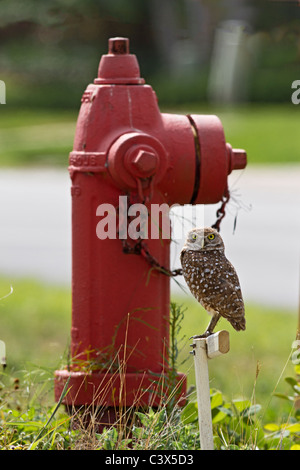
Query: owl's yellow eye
x=194, y=236
x=211, y=236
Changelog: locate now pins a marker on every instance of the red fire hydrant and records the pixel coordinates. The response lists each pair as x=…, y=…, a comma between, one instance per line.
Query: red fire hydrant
x=125, y=147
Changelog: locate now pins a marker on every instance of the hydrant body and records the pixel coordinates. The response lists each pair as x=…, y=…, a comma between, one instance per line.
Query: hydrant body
x=125, y=147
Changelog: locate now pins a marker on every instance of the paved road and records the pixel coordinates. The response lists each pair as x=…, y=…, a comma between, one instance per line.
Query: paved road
x=35, y=235
x=265, y=247
x=35, y=217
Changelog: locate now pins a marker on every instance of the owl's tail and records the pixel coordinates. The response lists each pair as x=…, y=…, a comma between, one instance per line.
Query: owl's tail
x=238, y=324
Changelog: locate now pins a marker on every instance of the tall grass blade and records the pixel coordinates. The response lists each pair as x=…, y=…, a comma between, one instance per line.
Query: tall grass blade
x=63, y=394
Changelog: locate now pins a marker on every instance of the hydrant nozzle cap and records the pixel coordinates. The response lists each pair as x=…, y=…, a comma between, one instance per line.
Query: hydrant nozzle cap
x=119, y=66
x=237, y=158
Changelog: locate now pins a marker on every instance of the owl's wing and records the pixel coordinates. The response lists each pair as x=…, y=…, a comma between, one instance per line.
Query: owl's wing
x=232, y=306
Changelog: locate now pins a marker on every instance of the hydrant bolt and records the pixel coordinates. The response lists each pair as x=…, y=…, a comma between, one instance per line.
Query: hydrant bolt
x=145, y=162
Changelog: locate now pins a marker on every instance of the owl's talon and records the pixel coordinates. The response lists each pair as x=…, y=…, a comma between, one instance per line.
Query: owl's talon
x=205, y=335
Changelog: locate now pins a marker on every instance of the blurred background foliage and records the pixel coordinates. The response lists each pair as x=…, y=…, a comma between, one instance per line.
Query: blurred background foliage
x=50, y=50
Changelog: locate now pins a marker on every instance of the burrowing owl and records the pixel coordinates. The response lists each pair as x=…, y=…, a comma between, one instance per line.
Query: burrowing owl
x=212, y=279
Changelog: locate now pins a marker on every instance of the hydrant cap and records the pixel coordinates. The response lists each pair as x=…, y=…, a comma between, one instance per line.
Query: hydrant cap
x=118, y=46
x=119, y=66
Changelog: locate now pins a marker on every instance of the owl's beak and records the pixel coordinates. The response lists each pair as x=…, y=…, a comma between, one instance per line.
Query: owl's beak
x=202, y=243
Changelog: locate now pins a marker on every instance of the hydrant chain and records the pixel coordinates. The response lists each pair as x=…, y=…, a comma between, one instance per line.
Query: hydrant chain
x=154, y=263
x=139, y=248
x=221, y=211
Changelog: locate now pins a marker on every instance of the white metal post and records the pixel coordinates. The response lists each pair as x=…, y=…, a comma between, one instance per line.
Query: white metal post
x=204, y=349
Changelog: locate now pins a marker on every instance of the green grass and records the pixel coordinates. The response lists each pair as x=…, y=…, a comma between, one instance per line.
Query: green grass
x=269, y=133
x=35, y=322
x=36, y=137
x=35, y=325
x=264, y=346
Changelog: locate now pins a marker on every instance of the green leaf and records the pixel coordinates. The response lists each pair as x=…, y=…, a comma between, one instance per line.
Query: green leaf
x=111, y=437
x=291, y=381
x=272, y=427
x=297, y=369
x=295, y=447
x=189, y=414
x=241, y=405
x=218, y=414
x=283, y=396
x=144, y=418
x=216, y=399
x=293, y=428
x=21, y=424
x=297, y=414
x=252, y=410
